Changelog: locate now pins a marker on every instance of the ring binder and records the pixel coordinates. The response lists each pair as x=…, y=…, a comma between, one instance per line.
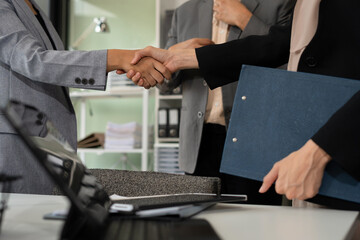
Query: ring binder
x=163, y=123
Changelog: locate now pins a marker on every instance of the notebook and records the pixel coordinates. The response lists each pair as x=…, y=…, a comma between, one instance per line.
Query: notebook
x=275, y=112
x=91, y=211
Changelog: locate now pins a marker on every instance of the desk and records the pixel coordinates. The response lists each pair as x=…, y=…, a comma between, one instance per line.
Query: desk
x=23, y=220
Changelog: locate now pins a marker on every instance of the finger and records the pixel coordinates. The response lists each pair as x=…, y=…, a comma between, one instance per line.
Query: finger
x=309, y=193
x=163, y=70
x=141, y=82
x=150, y=79
x=157, y=76
x=130, y=74
x=136, y=78
x=146, y=83
x=137, y=57
x=269, y=179
x=289, y=195
x=140, y=54
x=120, y=72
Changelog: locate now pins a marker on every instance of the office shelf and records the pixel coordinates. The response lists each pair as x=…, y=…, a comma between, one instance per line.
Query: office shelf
x=100, y=151
x=163, y=22
x=118, y=92
x=168, y=140
x=115, y=92
x=170, y=97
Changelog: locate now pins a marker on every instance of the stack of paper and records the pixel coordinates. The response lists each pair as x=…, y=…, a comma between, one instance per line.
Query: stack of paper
x=123, y=136
x=115, y=80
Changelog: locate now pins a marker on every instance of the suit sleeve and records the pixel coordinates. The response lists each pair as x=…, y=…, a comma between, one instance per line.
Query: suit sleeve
x=221, y=64
x=340, y=136
x=25, y=55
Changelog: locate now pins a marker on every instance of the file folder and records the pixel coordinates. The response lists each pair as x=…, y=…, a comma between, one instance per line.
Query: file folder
x=93, y=140
x=174, y=118
x=275, y=112
x=163, y=123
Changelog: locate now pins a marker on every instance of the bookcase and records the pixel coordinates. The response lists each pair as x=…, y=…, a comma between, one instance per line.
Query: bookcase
x=83, y=97
x=166, y=149
x=121, y=106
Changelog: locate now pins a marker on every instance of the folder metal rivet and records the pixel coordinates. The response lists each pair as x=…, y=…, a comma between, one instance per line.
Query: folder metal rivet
x=243, y=98
x=234, y=139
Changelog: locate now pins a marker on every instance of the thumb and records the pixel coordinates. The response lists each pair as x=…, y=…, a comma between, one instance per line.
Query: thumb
x=137, y=57
x=139, y=54
x=269, y=179
x=205, y=41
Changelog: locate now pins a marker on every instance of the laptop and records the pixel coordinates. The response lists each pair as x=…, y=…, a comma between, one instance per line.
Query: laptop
x=91, y=212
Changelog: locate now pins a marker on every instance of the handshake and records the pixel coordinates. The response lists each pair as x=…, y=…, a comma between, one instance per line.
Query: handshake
x=150, y=66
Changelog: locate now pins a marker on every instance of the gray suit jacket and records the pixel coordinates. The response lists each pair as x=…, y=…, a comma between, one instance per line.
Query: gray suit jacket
x=194, y=20
x=32, y=73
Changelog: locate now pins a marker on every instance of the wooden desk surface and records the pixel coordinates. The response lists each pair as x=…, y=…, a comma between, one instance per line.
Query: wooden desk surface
x=23, y=220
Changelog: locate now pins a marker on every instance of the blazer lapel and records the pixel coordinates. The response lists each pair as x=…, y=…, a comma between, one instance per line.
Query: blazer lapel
x=205, y=13
x=52, y=31
x=29, y=20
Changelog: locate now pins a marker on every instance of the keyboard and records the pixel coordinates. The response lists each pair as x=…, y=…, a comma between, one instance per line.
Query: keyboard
x=135, y=229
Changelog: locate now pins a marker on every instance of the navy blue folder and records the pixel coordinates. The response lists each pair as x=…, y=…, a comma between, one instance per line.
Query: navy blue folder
x=275, y=112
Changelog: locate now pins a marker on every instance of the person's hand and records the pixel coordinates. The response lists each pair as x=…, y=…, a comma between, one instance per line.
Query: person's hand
x=146, y=78
x=232, y=12
x=151, y=71
x=192, y=43
x=173, y=60
x=299, y=175
x=160, y=55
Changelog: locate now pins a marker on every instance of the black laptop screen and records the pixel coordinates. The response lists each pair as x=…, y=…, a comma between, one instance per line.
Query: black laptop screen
x=56, y=155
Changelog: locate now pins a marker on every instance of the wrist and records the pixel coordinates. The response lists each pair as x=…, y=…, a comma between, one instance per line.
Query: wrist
x=119, y=59
x=187, y=60
x=244, y=17
x=317, y=153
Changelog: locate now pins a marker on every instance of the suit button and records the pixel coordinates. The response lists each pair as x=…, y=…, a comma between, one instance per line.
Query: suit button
x=84, y=81
x=311, y=61
x=77, y=80
x=67, y=164
x=40, y=116
x=91, y=81
x=204, y=83
x=200, y=114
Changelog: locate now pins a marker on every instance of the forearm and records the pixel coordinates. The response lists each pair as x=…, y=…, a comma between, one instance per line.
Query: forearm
x=61, y=68
x=340, y=136
x=27, y=56
x=221, y=64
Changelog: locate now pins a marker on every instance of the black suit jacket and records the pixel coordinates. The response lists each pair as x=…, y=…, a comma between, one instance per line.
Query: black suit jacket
x=334, y=50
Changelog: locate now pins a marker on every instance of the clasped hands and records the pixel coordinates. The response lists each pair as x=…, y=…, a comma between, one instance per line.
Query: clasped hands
x=150, y=66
